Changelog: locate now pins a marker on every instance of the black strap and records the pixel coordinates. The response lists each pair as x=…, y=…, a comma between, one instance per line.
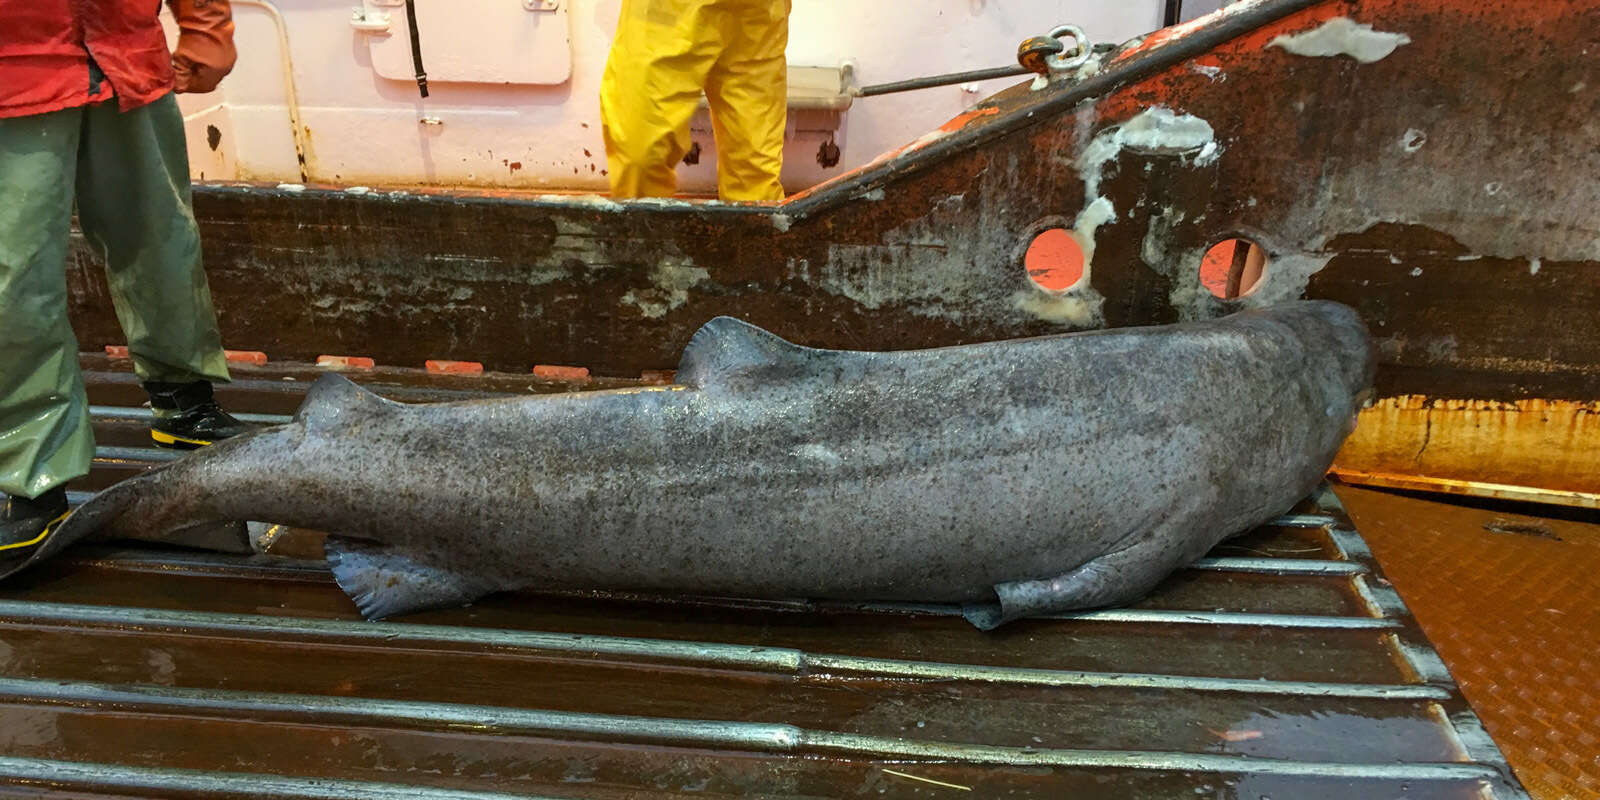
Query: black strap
x=416, y=47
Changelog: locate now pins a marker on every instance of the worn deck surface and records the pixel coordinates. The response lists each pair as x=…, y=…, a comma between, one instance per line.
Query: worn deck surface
x=1513, y=604
x=1283, y=665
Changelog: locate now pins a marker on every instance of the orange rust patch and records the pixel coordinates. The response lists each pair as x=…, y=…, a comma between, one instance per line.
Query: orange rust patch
x=1479, y=447
x=960, y=121
x=1135, y=97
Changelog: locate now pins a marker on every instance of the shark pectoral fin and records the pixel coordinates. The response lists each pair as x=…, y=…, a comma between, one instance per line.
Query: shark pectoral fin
x=385, y=581
x=1108, y=580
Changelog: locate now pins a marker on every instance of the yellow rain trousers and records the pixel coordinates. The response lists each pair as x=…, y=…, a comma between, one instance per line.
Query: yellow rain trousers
x=665, y=53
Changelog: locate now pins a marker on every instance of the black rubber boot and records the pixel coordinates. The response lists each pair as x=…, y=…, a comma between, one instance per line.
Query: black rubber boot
x=187, y=416
x=25, y=523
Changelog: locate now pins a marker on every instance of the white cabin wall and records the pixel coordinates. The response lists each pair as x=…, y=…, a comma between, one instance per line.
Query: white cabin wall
x=360, y=128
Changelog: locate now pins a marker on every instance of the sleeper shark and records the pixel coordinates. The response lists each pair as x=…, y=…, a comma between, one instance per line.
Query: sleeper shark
x=1016, y=478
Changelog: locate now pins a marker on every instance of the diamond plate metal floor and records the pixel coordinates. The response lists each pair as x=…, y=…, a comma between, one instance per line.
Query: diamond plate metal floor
x=1512, y=603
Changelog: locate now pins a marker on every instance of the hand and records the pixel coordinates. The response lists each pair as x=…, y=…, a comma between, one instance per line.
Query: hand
x=205, y=50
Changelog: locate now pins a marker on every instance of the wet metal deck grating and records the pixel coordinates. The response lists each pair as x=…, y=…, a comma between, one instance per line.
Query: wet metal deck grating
x=1282, y=665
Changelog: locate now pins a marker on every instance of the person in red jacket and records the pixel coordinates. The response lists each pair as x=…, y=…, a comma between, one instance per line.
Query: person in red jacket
x=88, y=118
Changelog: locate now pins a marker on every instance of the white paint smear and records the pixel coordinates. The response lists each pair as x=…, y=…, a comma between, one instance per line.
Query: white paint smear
x=1342, y=36
x=1154, y=130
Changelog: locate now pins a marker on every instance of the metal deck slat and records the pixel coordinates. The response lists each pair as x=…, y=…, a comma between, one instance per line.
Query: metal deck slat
x=1157, y=616
x=709, y=654
x=80, y=776
x=1384, y=602
x=1280, y=566
x=760, y=737
x=138, y=414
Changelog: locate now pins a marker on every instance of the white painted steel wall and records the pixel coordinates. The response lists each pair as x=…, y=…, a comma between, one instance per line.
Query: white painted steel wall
x=360, y=128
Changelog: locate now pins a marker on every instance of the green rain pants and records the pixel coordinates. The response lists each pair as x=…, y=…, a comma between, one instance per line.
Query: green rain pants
x=129, y=173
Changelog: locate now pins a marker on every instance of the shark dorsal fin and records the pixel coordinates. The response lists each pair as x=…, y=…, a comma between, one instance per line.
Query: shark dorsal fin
x=334, y=398
x=726, y=348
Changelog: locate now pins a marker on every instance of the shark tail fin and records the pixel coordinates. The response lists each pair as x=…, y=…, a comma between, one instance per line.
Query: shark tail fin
x=102, y=513
x=78, y=524
x=335, y=399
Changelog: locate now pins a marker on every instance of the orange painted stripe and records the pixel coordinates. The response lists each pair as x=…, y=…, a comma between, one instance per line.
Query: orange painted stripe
x=454, y=367
x=345, y=362
x=560, y=373
x=255, y=357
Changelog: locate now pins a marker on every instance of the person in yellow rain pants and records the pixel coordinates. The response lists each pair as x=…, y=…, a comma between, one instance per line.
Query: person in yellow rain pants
x=666, y=52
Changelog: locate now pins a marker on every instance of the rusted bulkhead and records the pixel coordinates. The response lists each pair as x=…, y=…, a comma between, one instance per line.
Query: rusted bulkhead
x=1433, y=164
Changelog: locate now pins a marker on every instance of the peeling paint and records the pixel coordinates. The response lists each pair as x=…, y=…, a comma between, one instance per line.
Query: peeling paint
x=598, y=201
x=1093, y=216
x=781, y=222
x=665, y=202
x=1156, y=131
x=1154, y=248
x=1069, y=309
x=1413, y=140
x=1081, y=304
x=1533, y=266
x=1342, y=36
x=1088, y=69
x=672, y=282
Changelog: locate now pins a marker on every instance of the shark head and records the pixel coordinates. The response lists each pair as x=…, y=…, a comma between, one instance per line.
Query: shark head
x=1339, y=349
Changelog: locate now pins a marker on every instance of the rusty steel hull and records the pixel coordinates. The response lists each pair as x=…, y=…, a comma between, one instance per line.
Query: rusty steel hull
x=1280, y=665
x=1446, y=190
x=1532, y=450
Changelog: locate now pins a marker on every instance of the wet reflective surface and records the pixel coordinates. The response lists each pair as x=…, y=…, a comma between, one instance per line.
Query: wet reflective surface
x=1272, y=669
x=1512, y=604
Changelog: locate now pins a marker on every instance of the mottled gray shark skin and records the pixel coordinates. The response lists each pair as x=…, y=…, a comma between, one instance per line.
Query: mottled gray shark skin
x=1017, y=477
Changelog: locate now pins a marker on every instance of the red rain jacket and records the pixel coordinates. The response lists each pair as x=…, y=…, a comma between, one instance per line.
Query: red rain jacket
x=45, y=47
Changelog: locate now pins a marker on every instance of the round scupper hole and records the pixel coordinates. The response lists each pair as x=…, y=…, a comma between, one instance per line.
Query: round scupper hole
x=1233, y=268
x=1054, y=260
